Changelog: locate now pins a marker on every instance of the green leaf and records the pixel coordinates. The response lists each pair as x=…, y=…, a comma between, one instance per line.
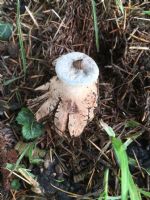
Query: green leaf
x=27, y=172
x=108, y=129
x=5, y=30
x=106, y=184
x=104, y=194
x=132, y=161
x=95, y=25
x=145, y=193
x=10, y=166
x=133, y=190
x=36, y=161
x=147, y=171
x=34, y=154
x=131, y=139
x=59, y=180
x=120, y=5
x=146, y=12
x=22, y=49
x=8, y=82
x=31, y=129
x=127, y=182
x=25, y=116
x=21, y=169
x=123, y=161
x=15, y=184
x=132, y=124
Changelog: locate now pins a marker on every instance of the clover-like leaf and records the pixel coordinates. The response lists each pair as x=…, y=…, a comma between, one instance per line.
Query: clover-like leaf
x=30, y=128
x=5, y=30
x=15, y=184
x=25, y=116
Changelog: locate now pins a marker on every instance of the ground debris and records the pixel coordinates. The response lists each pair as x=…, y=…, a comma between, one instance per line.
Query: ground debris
x=7, y=154
x=124, y=62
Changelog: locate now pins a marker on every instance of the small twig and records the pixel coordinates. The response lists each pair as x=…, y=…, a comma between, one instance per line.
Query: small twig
x=140, y=48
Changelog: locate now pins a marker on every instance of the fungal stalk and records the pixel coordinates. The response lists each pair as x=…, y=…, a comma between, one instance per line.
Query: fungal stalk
x=72, y=94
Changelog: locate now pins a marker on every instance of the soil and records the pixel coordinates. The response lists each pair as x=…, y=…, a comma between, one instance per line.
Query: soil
x=74, y=167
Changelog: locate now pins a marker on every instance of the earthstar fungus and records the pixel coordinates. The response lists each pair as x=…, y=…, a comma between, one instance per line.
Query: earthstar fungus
x=73, y=93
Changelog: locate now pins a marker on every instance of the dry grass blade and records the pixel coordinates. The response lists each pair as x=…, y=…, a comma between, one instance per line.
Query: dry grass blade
x=69, y=193
x=32, y=16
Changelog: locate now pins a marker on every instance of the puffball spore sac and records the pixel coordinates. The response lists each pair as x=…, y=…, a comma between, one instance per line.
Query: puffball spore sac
x=83, y=73
x=74, y=91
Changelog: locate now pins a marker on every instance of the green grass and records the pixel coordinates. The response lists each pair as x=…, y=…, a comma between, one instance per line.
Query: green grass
x=105, y=193
x=123, y=162
x=95, y=25
x=21, y=157
x=146, y=12
x=22, y=50
x=129, y=190
x=10, y=81
x=120, y=5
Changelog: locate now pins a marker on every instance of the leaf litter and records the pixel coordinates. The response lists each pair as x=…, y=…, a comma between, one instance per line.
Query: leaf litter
x=76, y=167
